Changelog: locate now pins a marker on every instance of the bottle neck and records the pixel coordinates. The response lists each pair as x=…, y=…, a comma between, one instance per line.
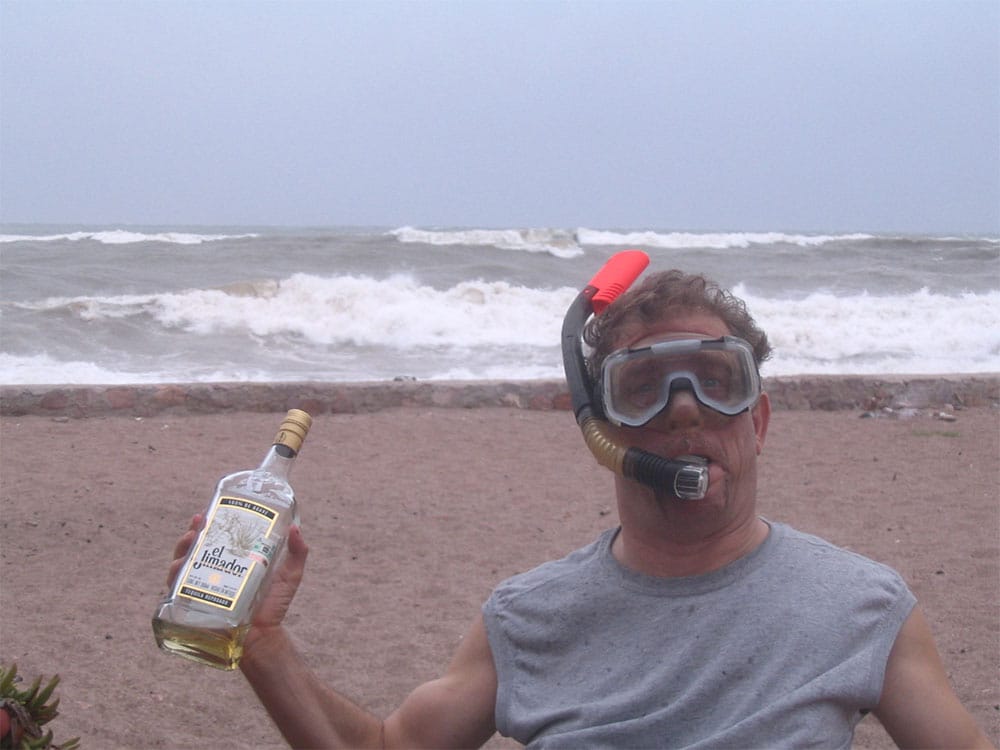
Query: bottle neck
x=278, y=461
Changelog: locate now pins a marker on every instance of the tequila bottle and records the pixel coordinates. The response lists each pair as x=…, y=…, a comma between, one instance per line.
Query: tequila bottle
x=226, y=573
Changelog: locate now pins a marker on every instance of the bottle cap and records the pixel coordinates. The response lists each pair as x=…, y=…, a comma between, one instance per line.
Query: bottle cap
x=294, y=429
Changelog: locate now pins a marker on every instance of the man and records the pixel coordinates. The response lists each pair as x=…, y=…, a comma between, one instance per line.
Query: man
x=695, y=624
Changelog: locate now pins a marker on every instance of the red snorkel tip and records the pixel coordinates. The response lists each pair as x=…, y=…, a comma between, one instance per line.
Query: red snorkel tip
x=615, y=277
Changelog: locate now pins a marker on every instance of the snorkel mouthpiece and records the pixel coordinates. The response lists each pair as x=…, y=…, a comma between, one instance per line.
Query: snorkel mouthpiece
x=691, y=481
x=688, y=479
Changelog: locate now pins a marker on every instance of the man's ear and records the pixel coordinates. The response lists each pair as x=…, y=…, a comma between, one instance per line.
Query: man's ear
x=761, y=415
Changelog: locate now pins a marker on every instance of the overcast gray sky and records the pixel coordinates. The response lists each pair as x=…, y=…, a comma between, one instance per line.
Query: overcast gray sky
x=871, y=115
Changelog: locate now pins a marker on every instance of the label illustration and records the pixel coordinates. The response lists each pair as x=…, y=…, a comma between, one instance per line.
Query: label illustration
x=237, y=539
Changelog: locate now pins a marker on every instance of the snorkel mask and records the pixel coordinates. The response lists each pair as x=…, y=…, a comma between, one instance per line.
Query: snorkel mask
x=687, y=479
x=636, y=384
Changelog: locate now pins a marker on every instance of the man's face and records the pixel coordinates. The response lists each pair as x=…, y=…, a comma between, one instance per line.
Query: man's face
x=687, y=428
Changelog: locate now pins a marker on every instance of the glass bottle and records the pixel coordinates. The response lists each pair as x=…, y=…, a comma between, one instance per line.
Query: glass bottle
x=207, y=613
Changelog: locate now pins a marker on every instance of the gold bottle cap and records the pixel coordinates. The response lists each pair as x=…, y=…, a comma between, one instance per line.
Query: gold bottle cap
x=294, y=429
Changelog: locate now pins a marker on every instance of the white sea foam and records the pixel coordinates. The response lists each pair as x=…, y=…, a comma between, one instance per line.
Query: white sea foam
x=918, y=333
x=478, y=329
x=123, y=237
x=395, y=312
x=44, y=369
x=714, y=241
x=556, y=242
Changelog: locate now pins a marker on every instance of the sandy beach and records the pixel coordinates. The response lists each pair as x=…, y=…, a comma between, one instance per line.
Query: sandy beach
x=412, y=516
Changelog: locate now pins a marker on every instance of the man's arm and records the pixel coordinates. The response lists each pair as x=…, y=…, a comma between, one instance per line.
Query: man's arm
x=918, y=707
x=307, y=712
x=455, y=710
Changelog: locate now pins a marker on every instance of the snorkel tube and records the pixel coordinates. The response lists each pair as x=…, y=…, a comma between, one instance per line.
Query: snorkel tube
x=685, y=480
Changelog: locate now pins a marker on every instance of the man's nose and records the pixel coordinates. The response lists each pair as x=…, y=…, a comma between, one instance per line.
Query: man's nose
x=682, y=410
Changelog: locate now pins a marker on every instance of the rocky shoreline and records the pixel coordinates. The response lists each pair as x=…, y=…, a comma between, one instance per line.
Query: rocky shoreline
x=870, y=394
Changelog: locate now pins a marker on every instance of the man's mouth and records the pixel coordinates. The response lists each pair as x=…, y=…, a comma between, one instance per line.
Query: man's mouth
x=692, y=459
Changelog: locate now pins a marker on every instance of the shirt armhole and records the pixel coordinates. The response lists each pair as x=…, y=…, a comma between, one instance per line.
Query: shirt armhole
x=901, y=606
x=501, y=652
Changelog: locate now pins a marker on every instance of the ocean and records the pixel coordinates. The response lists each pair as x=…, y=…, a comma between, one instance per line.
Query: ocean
x=165, y=305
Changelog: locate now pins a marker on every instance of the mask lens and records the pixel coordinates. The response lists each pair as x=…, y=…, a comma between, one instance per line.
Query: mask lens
x=637, y=383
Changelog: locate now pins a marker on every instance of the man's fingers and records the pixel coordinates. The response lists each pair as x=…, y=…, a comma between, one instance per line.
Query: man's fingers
x=183, y=546
x=297, y=546
x=175, y=568
x=295, y=559
x=185, y=542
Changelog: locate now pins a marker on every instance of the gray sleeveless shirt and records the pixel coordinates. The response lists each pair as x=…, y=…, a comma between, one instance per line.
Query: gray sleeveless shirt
x=784, y=648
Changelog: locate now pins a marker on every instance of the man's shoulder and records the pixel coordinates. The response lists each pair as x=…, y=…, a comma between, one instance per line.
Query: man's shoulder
x=555, y=573
x=806, y=551
x=807, y=543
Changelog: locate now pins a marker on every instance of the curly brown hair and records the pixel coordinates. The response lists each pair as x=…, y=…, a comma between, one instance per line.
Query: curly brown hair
x=665, y=292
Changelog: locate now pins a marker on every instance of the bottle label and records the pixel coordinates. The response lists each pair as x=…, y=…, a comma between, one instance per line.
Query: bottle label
x=237, y=539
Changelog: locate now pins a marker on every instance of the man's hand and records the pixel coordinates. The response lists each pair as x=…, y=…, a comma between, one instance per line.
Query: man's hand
x=271, y=611
x=281, y=591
